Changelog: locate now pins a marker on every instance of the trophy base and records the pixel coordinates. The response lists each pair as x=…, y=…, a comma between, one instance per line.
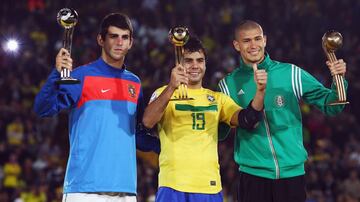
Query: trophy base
x=338, y=103
x=68, y=80
x=182, y=99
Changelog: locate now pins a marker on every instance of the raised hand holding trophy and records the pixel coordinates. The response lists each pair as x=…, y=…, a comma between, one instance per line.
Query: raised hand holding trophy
x=179, y=36
x=67, y=18
x=331, y=41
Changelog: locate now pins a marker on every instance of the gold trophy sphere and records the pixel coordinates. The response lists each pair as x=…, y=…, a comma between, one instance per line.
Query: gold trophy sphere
x=179, y=36
x=332, y=40
x=67, y=18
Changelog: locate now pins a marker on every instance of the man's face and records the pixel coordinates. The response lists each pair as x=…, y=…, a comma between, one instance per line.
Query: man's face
x=116, y=44
x=250, y=43
x=194, y=63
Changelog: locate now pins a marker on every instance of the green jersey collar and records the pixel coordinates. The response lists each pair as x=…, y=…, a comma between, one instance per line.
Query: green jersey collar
x=265, y=64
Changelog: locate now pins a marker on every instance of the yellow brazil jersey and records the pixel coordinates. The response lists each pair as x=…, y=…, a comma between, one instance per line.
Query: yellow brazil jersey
x=188, y=134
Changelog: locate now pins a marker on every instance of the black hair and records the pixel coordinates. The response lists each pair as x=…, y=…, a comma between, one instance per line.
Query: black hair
x=194, y=45
x=119, y=20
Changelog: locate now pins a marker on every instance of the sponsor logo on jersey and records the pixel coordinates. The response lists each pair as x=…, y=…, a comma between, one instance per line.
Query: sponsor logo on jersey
x=241, y=92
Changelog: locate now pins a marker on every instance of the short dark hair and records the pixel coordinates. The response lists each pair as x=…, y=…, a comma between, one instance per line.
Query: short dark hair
x=245, y=25
x=119, y=20
x=194, y=45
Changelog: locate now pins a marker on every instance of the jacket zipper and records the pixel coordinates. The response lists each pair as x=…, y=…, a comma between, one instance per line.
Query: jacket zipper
x=277, y=170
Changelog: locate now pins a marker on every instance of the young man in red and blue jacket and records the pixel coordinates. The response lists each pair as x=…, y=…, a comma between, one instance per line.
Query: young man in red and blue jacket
x=104, y=114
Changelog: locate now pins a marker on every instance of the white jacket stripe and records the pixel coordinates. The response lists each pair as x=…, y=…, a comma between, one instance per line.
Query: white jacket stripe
x=223, y=87
x=293, y=81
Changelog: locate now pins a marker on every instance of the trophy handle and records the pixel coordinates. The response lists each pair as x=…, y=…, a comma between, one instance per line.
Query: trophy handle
x=331, y=41
x=179, y=52
x=67, y=39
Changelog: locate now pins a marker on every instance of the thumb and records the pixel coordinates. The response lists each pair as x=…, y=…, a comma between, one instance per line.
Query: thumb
x=254, y=66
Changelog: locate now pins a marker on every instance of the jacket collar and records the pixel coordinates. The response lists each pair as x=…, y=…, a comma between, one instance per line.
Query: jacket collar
x=265, y=64
x=103, y=63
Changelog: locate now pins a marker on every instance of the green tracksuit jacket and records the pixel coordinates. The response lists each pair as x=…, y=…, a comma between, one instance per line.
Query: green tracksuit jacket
x=274, y=149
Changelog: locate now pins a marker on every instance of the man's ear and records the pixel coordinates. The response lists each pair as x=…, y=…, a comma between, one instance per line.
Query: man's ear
x=131, y=42
x=100, y=40
x=236, y=45
x=265, y=39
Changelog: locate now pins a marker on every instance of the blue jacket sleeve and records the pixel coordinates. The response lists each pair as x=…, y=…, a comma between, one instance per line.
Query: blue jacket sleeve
x=145, y=141
x=52, y=97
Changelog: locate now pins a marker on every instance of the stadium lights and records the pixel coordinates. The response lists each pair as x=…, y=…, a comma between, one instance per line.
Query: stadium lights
x=11, y=46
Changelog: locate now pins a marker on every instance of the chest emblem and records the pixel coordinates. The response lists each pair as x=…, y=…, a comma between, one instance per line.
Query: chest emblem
x=279, y=101
x=131, y=90
x=210, y=98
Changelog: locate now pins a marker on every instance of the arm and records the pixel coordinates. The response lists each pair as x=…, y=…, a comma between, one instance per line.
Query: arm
x=155, y=110
x=144, y=140
x=315, y=93
x=52, y=97
x=248, y=118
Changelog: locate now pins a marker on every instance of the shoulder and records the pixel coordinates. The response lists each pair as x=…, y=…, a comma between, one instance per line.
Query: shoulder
x=85, y=67
x=282, y=65
x=83, y=70
x=161, y=89
x=156, y=93
x=217, y=95
x=132, y=76
x=284, y=69
x=232, y=74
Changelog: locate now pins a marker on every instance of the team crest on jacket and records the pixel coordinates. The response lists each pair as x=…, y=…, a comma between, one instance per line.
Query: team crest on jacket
x=210, y=98
x=279, y=101
x=131, y=90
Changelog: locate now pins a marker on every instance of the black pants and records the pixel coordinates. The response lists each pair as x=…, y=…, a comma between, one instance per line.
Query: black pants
x=257, y=189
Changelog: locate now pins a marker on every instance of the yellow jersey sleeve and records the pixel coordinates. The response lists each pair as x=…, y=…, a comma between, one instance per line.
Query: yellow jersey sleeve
x=156, y=94
x=227, y=108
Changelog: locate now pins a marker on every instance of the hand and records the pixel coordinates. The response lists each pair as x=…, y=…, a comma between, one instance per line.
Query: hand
x=178, y=76
x=260, y=78
x=337, y=68
x=63, y=60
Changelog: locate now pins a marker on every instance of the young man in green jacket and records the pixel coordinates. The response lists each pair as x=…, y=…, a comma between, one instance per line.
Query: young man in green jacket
x=271, y=157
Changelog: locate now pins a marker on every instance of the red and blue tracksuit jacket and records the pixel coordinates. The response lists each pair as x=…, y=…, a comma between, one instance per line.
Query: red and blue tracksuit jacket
x=104, y=111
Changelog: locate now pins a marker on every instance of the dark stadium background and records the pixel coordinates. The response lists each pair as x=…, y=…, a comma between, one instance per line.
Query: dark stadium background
x=294, y=29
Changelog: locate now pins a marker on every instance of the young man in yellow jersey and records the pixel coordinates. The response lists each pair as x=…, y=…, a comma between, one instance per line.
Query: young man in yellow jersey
x=188, y=129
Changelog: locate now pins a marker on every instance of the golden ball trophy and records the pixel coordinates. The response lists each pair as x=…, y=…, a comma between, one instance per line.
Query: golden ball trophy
x=67, y=18
x=179, y=36
x=331, y=41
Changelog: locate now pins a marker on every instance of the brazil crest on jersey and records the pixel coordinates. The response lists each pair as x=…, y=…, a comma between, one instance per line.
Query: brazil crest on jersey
x=188, y=134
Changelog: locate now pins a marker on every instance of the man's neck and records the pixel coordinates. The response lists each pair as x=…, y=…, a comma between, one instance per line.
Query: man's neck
x=195, y=86
x=250, y=63
x=114, y=63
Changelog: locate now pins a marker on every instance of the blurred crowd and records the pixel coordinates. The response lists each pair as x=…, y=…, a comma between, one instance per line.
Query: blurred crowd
x=33, y=151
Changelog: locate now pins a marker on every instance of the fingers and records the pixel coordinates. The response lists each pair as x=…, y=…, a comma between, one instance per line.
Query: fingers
x=178, y=76
x=180, y=70
x=254, y=66
x=337, y=67
x=63, y=60
x=63, y=51
x=260, y=76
